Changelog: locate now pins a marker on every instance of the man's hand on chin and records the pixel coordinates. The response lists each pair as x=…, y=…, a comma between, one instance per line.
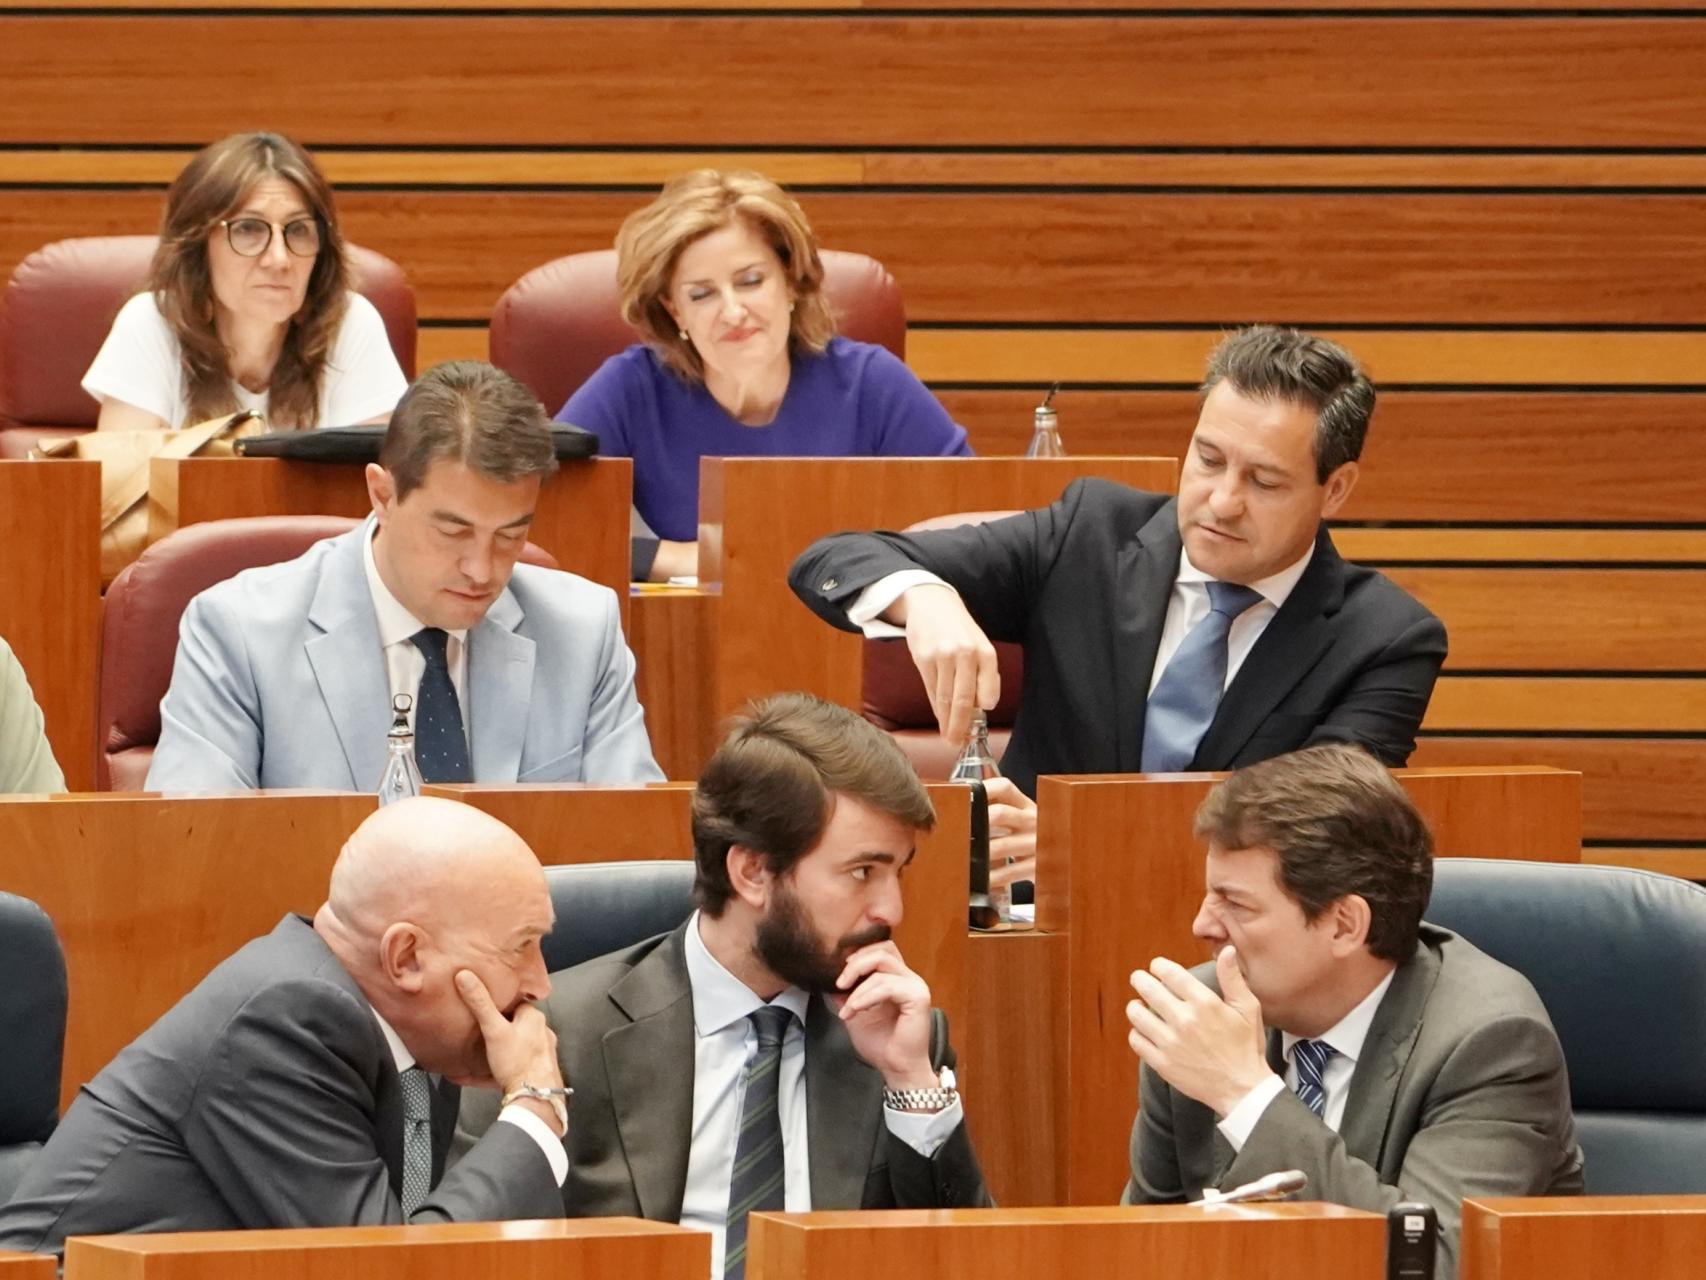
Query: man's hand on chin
x=1208, y=1047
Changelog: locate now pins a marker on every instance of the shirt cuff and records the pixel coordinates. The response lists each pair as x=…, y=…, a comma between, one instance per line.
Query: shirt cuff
x=1241, y=1121
x=870, y=602
x=925, y=1131
x=540, y=1132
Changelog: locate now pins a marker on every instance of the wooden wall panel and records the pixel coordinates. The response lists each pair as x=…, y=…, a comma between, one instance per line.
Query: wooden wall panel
x=1116, y=81
x=1107, y=259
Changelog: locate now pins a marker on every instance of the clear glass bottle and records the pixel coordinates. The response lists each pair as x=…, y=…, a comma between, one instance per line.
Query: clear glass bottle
x=977, y=764
x=1045, y=433
x=402, y=775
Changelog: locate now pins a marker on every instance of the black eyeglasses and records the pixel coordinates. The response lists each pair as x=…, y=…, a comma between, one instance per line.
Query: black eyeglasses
x=250, y=237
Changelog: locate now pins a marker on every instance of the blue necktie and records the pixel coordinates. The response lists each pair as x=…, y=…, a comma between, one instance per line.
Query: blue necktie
x=1185, y=698
x=441, y=745
x=1311, y=1057
x=758, y=1183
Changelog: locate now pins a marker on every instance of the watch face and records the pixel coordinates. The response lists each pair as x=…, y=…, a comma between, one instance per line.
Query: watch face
x=947, y=1076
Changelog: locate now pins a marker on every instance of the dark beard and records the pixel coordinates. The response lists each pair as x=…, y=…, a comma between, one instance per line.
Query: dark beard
x=792, y=950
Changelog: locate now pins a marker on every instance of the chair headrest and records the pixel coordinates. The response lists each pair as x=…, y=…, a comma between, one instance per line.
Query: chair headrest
x=605, y=906
x=1617, y=956
x=32, y=1021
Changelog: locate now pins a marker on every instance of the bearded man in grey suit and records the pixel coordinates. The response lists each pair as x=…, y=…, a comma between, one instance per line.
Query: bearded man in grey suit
x=803, y=822
x=1335, y=1033
x=291, y=1087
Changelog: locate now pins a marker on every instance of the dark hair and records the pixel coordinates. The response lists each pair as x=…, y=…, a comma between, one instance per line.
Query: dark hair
x=770, y=786
x=1339, y=824
x=472, y=413
x=212, y=186
x=1266, y=362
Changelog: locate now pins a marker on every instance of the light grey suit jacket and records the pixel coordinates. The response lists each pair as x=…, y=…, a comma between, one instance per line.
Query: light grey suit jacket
x=1460, y=1091
x=267, y=1097
x=624, y=1025
x=280, y=682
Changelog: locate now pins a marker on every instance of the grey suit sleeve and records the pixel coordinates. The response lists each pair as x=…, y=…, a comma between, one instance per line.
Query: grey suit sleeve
x=998, y=567
x=952, y=1177
x=1490, y=1126
x=1385, y=704
x=283, y=1122
x=210, y=719
x=616, y=747
x=1157, y=1177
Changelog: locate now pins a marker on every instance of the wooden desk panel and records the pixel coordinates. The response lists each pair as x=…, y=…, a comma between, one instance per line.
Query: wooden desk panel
x=27, y=1266
x=1120, y=874
x=1171, y=1242
x=586, y=1248
x=50, y=598
x=674, y=636
x=757, y=514
x=582, y=518
x=1585, y=1238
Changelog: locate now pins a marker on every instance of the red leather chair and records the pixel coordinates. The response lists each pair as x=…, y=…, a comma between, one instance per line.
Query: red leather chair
x=139, y=622
x=61, y=301
x=893, y=692
x=553, y=327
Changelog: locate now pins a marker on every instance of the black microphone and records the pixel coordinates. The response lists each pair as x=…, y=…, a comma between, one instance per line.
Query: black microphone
x=1412, y=1233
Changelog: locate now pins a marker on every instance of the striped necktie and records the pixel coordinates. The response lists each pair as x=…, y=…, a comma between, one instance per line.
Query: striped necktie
x=758, y=1182
x=1311, y=1057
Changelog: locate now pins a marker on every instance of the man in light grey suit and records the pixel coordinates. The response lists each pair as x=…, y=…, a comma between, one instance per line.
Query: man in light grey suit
x=290, y=1088
x=1335, y=1033
x=803, y=822
x=285, y=674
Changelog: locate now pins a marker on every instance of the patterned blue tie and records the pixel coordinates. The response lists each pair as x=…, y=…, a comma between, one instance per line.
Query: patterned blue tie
x=758, y=1183
x=1311, y=1057
x=441, y=745
x=1185, y=698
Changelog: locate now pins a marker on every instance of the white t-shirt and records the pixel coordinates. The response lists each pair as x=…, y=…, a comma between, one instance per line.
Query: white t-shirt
x=140, y=364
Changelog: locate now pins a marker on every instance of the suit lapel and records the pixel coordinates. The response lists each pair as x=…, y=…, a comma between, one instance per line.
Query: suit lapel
x=500, y=686
x=1391, y=1037
x=446, y=1101
x=347, y=662
x=844, y=1105
x=649, y=1063
x=1147, y=565
x=1288, y=649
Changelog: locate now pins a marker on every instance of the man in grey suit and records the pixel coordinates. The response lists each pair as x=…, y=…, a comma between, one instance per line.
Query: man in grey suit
x=285, y=674
x=1335, y=1033
x=291, y=1087
x=784, y=980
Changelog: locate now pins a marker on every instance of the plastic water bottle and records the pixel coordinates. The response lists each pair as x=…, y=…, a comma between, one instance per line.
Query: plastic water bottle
x=402, y=775
x=1045, y=434
x=977, y=764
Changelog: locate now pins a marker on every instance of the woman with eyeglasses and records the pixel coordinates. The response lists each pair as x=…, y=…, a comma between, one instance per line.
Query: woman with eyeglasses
x=247, y=306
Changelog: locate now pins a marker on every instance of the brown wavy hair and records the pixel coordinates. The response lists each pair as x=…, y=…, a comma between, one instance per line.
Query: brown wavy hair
x=694, y=205
x=212, y=186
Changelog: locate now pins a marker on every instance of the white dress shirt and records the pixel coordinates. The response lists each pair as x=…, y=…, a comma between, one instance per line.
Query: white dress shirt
x=405, y=664
x=1346, y=1038
x=723, y=1040
x=1186, y=606
x=530, y=1124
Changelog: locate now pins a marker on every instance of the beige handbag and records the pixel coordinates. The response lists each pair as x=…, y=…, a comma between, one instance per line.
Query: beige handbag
x=125, y=457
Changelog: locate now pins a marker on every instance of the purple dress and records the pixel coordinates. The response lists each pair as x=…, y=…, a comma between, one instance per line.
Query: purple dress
x=855, y=401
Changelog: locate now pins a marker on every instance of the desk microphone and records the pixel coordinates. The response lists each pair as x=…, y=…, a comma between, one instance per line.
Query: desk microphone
x=1412, y=1230
x=1276, y=1186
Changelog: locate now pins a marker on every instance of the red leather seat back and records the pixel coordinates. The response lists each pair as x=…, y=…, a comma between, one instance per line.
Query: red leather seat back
x=140, y=615
x=553, y=327
x=60, y=303
x=893, y=692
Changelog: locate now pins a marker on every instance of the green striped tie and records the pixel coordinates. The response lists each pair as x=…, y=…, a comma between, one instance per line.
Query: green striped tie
x=758, y=1182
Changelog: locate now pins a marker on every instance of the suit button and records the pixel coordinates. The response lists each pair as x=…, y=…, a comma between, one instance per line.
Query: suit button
x=830, y=584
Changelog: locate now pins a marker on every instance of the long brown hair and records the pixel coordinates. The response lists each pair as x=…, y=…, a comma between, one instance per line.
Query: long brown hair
x=694, y=205
x=214, y=185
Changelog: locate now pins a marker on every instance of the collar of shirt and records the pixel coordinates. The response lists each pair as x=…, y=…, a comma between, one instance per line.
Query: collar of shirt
x=1346, y=1036
x=399, y=1051
x=396, y=624
x=1275, y=589
x=721, y=999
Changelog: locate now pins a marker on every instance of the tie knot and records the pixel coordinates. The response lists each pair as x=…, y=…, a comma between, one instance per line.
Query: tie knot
x=771, y=1022
x=417, y=1096
x=1231, y=598
x=433, y=642
x=1312, y=1057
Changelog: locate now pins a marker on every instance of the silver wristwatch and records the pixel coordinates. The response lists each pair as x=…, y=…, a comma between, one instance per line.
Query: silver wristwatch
x=558, y=1098
x=938, y=1099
